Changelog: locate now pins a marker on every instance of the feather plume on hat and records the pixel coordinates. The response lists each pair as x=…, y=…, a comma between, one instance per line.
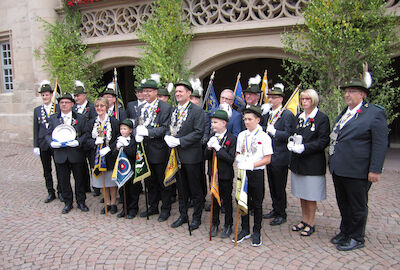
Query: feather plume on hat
x=280, y=85
x=110, y=85
x=170, y=87
x=79, y=83
x=366, y=75
x=143, y=81
x=44, y=82
x=196, y=85
x=255, y=80
x=227, y=108
x=155, y=77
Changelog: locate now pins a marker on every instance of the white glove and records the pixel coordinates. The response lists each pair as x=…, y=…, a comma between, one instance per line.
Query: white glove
x=36, y=151
x=171, y=141
x=266, y=107
x=73, y=143
x=298, y=148
x=54, y=144
x=240, y=158
x=104, y=151
x=211, y=141
x=290, y=146
x=119, y=145
x=248, y=166
x=123, y=141
x=138, y=138
x=271, y=129
x=99, y=140
x=216, y=146
x=142, y=131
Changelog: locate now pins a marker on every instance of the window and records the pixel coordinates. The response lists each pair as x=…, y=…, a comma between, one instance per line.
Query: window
x=6, y=67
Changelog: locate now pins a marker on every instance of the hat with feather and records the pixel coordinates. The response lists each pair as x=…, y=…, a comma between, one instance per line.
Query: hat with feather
x=254, y=85
x=277, y=89
x=79, y=88
x=45, y=87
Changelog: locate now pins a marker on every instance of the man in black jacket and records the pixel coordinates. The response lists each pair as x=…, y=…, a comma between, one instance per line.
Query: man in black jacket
x=187, y=129
x=152, y=125
x=71, y=156
x=132, y=109
x=279, y=128
x=356, y=155
x=41, y=117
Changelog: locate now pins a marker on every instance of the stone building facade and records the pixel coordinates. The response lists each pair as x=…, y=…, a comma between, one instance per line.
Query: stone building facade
x=226, y=32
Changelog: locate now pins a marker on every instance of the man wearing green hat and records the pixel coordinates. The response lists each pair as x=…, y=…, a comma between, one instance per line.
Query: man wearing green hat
x=111, y=97
x=279, y=127
x=41, y=117
x=163, y=94
x=69, y=155
x=359, y=141
x=132, y=110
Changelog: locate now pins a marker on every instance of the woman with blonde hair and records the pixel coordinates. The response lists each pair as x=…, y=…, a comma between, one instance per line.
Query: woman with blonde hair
x=308, y=162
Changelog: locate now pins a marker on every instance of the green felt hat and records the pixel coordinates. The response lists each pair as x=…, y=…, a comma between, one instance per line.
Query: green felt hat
x=66, y=96
x=149, y=84
x=221, y=114
x=79, y=90
x=185, y=83
x=253, y=109
x=127, y=122
x=162, y=91
x=108, y=91
x=276, y=90
x=45, y=88
x=253, y=88
x=195, y=93
x=356, y=83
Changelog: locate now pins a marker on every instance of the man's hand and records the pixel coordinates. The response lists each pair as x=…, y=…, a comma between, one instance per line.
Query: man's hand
x=373, y=177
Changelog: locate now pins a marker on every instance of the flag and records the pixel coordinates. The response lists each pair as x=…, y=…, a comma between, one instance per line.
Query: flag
x=264, y=87
x=171, y=169
x=293, y=104
x=214, y=179
x=239, y=100
x=56, y=95
x=212, y=102
x=142, y=170
x=122, y=170
x=99, y=162
x=241, y=192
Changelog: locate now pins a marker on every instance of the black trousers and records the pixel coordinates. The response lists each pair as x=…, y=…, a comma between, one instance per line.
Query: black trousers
x=225, y=193
x=352, y=200
x=46, y=157
x=277, y=179
x=64, y=174
x=255, y=193
x=189, y=183
x=132, y=192
x=157, y=190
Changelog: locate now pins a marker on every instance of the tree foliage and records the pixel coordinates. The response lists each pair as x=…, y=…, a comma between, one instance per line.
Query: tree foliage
x=338, y=36
x=167, y=35
x=65, y=55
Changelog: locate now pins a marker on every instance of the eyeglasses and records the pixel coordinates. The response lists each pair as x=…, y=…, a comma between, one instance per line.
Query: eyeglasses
x=99, y=105
x=225, y=98
x=351, y=91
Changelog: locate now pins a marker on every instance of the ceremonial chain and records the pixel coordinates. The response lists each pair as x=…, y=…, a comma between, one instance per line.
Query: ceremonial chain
x=100, y=130
x=253, y=145
x=151, y=116
x=177, y=120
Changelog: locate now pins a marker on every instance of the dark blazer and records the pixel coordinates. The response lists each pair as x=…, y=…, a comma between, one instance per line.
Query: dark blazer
x=190, y=134
x=40, y=128
x=225, y=157
x=235, y=123
x=207, y=128
x=90, y=143
x=285, y=127
x=312, y=161
x=132, y=110
x=121, y=114
x=157, y=151
x=72, y=154
x=89, y=112
x=361, y=144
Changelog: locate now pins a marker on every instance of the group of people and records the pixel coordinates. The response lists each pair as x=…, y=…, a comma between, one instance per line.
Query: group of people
x=256, y=138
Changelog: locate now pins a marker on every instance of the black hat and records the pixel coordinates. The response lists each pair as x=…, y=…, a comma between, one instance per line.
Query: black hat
x=356, y=83
x=185, y=83
x=253, y=109
x=66, y=96
x=162, y=91
x=149, y=84
x=221, y=114
x=195, y=93
x=277, y=89
x=108, y=91
x=127, y=122
x=45, y=87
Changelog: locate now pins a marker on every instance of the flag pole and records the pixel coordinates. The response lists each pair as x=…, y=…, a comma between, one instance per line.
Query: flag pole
x=212, y=195
x=104, y=194
x=116, y=94
x=126, y=210
x=54, y=97
x=287, y=103
x=263, y=92
x=237, y=223
x=236, y=85
x=208, y=89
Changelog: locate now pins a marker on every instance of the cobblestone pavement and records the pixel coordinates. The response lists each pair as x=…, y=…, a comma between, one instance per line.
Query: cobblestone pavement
x=34, y=235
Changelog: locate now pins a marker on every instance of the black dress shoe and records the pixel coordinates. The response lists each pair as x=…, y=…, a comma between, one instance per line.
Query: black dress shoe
x=339, y=239
x=60, y=197
x=194, y=225
x=103, y=211
x=131, y=215
x=226, y=232
x=179, y=222
x=151, y=212
x=350, y=244
x=66, y=209
x=214, y=230
x=83, y=207
x=269, y=215
x=50, y=197
x=96, y=192
x=163, y=216
x=121, y=214
x=113, y=209
x=277, y=221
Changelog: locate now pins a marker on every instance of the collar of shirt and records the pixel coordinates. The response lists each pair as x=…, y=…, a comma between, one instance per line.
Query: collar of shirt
x=311, y=115
x=67, y=118
x=252, y=133
x=149, y=105
x=274, y=112
x=111, y=109
x=141, y=102
x=183, y=106
x=83, y=105
x=220, y=135
x=354, y=110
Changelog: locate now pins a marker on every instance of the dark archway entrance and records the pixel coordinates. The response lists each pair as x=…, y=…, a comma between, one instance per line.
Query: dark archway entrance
x=126, y=81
